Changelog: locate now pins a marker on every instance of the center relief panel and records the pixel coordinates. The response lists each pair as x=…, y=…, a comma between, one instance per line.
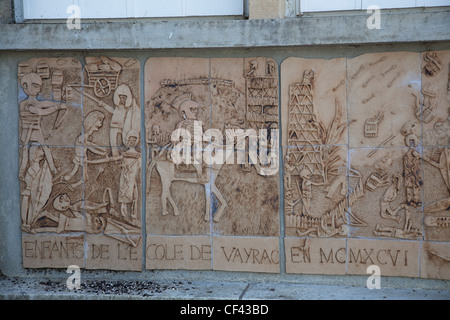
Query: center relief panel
x=213, y=165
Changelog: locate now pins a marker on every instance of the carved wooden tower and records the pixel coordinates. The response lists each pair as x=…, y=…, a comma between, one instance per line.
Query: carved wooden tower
x=262, y=96
x=304, y=135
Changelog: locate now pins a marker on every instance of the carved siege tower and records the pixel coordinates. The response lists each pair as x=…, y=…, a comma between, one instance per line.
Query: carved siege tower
x=304, y=134
x=262, y=96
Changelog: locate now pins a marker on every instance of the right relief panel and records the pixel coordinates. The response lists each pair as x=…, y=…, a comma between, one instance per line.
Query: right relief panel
x=367, y=160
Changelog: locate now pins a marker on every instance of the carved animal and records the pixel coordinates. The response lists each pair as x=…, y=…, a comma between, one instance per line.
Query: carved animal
x=166, y=170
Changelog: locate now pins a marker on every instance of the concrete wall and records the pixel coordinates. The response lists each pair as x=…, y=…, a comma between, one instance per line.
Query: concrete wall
x=6, y=11
x=315, y=37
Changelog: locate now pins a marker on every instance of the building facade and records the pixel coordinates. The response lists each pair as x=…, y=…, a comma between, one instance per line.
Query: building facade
x=312, y=138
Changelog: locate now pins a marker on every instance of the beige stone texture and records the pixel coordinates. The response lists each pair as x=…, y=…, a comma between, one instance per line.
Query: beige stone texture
x=171, y=85
x=435, y=98
x=313, y=98
x=266, y=9
x=436, y=193
x=317, y=205
x=314, y=118
x=49, y=106
x=71, y=184
x=113, y=190
x=52, y=251
x=120, y=253
x=392, y=197
x=381, y=98
x=435, y=260
x=315, y=256
x=252, y=203
x=48, y=203
x=106, y=79
x=225, y=95
x=178, y=253
x=248, y=254
x=395, y=258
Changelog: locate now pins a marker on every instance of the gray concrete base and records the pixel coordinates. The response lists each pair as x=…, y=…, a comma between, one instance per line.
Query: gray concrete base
x=39, y=289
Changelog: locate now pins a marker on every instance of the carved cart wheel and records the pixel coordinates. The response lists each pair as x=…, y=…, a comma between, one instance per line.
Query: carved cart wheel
x=102, y=87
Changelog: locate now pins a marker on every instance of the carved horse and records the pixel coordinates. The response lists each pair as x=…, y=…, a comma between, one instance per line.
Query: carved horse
x=167, y=172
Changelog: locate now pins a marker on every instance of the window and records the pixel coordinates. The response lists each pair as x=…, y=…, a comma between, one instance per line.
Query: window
x=331, y=5
x=104, y=9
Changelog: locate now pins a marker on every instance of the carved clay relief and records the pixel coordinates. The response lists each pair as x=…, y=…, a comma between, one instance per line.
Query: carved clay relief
x=380, y=107
x=436, y=138
x=211, y=137
x=315, y=153
x=392, y=204
x=80, y=157
x=393, y=177
x=364, y=154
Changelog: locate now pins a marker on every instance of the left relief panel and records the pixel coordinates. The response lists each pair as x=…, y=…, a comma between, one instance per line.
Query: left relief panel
x=80, y=163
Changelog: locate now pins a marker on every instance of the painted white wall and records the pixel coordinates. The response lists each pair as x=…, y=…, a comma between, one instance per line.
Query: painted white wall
x=332, y=5
x=51, y=9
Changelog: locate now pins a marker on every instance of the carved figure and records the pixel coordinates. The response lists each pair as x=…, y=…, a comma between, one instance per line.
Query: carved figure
x=393, y=232
x=290, y=203
x=444, y=166
x=389, y=196
x=380, y=178
x=166, y=170
x=188, y=110
x=31, y=112
x=93, y=123
x=289, y=167
x=38, y=181
x=307, y=184
x=128, y=190
x=390, y=84
x=125, y=116
x=413, y=180
x=70, y=218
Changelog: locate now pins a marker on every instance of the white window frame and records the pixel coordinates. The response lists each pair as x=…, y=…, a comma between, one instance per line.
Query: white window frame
x=307, y=6
x=129, y=9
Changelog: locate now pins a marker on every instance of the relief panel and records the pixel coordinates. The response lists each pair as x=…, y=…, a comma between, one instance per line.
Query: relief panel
x=205, y=184
x=392, y=185
x=72, y=182
x=382, y=93
x=315, y=149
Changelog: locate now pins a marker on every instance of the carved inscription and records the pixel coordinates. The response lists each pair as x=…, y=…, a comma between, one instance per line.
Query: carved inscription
x=320, y=256
x=116, y=253
x=189, y=253
x=255, y=254
x=47, y=251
